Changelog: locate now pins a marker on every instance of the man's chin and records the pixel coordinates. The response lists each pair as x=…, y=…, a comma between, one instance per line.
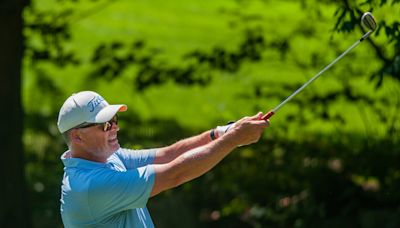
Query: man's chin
x=114, y=144
x=115, y=147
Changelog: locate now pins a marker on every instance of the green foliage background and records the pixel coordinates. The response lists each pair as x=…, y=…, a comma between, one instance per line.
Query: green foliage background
x=330, y=157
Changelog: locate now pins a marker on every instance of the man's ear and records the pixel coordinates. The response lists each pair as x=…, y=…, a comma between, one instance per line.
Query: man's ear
x=75, y=136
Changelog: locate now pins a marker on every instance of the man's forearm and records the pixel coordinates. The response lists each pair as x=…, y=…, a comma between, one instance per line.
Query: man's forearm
x=173, y=151
x=198, y=161
x=191, y=164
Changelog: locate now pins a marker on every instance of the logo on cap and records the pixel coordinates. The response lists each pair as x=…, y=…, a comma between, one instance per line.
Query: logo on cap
x=96, y=101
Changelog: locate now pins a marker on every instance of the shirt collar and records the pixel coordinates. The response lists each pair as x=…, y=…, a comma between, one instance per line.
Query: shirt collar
x=79, y=162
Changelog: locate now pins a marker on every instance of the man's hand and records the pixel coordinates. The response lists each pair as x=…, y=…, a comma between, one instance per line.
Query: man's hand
x=247, y=130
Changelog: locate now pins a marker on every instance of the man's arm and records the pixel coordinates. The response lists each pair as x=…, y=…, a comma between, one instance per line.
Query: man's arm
x=199, y=160
x=169, y=153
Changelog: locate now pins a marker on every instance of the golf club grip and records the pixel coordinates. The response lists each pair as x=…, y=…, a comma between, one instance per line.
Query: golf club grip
x=268, y=115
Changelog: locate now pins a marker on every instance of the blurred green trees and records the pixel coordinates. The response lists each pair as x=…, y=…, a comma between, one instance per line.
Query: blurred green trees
x=14, y=209
x=330, y=157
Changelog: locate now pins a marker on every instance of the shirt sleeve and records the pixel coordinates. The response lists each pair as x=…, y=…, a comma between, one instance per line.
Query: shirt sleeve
x=136, y=158
x=112, y=191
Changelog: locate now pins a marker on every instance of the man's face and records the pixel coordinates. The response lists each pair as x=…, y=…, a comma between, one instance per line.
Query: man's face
x=97, y=142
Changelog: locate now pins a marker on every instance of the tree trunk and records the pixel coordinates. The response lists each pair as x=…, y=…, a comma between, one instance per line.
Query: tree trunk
x=14, y=210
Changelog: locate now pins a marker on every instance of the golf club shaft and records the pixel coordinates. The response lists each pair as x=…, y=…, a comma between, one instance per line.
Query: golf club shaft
x=273, y=111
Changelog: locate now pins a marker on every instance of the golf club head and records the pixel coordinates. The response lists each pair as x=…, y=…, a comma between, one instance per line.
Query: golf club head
x=368, y=21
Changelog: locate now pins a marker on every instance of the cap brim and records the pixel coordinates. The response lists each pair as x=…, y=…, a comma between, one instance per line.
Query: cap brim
x=108, y=113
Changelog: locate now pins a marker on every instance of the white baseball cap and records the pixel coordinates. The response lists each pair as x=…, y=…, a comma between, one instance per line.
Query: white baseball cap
x=86, y=107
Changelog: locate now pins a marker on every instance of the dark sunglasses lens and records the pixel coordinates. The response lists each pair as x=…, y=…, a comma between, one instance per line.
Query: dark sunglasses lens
x=108, y=125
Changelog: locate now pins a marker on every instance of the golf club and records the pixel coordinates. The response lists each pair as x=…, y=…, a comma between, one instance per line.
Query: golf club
x=368, y=21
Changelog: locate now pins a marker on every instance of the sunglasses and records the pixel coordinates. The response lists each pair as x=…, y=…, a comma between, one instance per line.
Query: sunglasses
x=106, y=126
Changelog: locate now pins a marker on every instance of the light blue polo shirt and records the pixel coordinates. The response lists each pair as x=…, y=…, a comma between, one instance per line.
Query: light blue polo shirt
x=111, y=194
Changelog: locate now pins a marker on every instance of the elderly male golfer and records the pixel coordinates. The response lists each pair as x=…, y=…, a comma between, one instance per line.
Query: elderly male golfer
x=108, y=186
